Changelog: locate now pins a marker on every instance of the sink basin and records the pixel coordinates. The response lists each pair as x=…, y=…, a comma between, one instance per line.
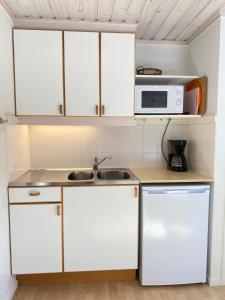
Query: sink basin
x=113, y=175
x=81, y=175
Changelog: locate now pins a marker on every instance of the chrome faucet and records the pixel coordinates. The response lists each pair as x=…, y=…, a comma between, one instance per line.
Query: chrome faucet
x=97, y=162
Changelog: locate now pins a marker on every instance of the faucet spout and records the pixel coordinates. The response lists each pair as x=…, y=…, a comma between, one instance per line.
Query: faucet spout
x=97, y=162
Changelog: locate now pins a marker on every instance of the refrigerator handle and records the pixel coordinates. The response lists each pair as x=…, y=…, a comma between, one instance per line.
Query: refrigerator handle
x=176, y=192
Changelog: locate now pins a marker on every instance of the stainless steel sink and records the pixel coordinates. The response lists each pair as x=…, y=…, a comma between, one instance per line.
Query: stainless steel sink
x=113, y=175
x=81, y=175
x=76, y=177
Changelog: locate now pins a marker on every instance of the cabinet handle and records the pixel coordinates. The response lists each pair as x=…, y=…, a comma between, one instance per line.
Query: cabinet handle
x=135, y=192
x=58, y=210
x=97, y=110
x=33, y=194
x=103, y=110
x=61, y=109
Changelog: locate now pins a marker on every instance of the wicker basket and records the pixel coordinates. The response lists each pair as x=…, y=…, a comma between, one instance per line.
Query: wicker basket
x=148, y=71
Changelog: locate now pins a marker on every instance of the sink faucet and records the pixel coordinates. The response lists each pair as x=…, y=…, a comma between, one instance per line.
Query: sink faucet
x=97, y=162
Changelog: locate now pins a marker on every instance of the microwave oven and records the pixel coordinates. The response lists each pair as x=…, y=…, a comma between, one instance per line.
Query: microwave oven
x=159, y=99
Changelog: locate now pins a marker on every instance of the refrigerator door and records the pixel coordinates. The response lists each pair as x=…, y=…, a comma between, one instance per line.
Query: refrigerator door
x=174, y=230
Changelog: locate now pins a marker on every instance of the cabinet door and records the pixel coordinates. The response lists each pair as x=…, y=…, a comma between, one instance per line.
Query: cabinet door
x=100, y=228
x=36, y=238
x=38, y=72
x=117, y=73
x=82, y=73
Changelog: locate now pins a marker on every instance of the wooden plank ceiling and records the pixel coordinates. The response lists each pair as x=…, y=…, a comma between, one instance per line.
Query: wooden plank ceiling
x=155, y=20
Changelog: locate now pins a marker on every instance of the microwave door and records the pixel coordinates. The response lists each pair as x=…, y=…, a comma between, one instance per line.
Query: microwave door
x=153, y=102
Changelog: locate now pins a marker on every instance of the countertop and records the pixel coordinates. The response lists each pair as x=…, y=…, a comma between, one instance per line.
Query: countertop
x=59, y=177
x=162, y=175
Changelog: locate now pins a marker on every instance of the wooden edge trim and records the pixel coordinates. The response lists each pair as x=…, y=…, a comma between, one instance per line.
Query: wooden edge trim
x=62, y=228
x=72, y=277
x=9, y=224
x=14, y=72
x=35, y=203
x=100, y=73
x=63, y=73
x=33, y=187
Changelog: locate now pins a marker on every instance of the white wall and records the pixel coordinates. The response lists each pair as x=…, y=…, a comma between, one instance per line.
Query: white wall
x=204, y=60
x=14, y=152
x=207, y=57
x=220, y=147
x=171, y=59
x=6, y=63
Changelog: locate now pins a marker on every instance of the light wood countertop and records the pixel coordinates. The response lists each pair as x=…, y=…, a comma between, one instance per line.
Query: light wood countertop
x=162, y=175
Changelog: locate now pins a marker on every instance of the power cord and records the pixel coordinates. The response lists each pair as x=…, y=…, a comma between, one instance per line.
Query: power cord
x=162, y=141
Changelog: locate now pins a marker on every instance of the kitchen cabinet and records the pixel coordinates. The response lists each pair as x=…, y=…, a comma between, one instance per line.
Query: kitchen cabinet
x=98, y=70
x=100, y=228
x=82, y=73
x=38, y=72
x=117, y=74
x=36, y=232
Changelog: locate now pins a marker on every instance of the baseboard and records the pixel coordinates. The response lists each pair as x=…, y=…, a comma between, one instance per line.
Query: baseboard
x=9, y=290
x=89, y=276
x=13, y=290
x=215, y=282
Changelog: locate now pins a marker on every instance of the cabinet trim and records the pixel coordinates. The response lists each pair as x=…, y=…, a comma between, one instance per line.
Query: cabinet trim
x=10, y=246
x=100, y=72
x=63, y=74
x=62, y=228
x=14, y=72
x=34, y=203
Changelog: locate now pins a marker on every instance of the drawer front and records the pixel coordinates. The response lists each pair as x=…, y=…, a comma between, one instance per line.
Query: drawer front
x=31, y=195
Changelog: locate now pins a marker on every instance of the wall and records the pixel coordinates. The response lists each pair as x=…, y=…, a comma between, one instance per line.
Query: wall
x=207, y=58
x=204, y=60
x=14, y=160
x=171, y=59
x=6, y=63
x=14, y=152
x=220, y=146
x=134, y=146
x=200, y=148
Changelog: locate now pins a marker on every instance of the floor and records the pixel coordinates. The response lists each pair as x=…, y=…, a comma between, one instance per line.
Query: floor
x=118, y=291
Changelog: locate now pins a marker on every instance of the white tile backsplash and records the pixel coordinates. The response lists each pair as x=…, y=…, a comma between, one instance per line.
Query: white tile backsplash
x=137, y=146
x=70, y=146
x=17, y=138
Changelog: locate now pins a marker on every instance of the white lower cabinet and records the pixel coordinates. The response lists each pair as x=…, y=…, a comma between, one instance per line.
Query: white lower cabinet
x=36, y=238
x=100, y=228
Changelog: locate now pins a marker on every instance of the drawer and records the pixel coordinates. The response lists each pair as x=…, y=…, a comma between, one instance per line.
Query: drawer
x=29, y=195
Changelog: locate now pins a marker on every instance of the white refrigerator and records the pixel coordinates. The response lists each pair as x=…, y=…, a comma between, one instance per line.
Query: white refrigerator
x=174, y=234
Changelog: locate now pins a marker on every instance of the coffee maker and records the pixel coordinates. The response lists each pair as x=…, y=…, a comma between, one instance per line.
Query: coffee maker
x=176, y=159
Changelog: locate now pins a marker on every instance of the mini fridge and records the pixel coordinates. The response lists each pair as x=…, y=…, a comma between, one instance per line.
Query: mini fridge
x=174, y=234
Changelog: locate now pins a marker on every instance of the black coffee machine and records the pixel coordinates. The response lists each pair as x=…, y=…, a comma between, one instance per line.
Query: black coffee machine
x=176, y=159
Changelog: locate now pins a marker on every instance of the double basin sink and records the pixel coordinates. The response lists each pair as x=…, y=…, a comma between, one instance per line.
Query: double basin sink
x=106, y=174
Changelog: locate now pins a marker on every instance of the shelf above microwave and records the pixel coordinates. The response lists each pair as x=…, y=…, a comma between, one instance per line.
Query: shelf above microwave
x=164, y=79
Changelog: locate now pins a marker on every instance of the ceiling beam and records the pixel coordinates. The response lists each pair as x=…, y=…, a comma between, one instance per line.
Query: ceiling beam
x=73, y=25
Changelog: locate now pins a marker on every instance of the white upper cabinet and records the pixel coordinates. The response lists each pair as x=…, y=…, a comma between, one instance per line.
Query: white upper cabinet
x=117, y=71
x=99, y=76
x=38, y=72
x=82, y=73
